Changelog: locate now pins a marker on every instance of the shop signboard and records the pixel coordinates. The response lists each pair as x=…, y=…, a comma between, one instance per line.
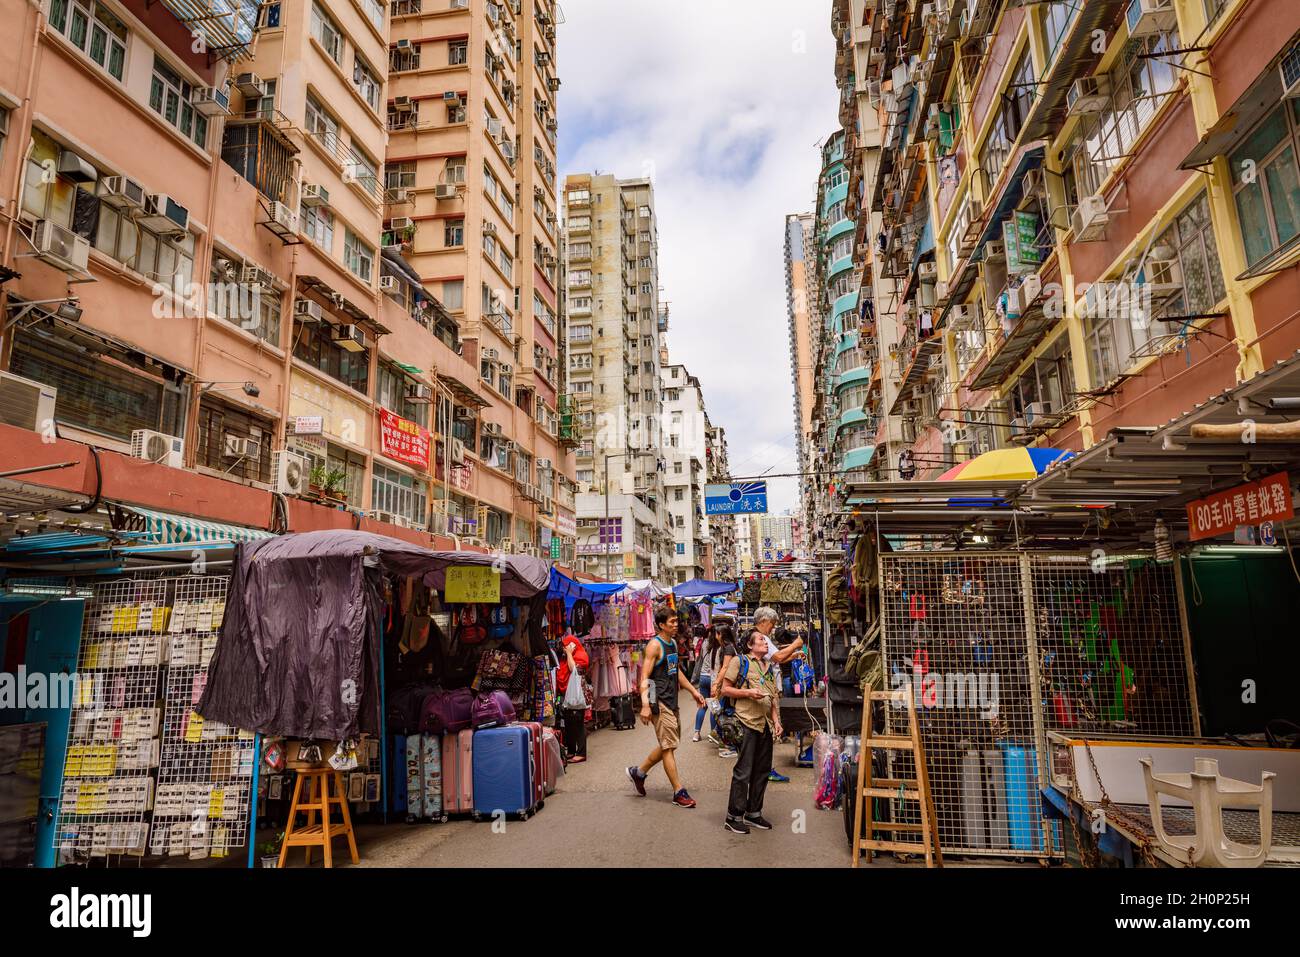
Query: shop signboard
x=462, y=476
x=1268, y=500
x=598, y=548
x=566, y=524
x=736, y=498
x=403, y=440
x=473, y=584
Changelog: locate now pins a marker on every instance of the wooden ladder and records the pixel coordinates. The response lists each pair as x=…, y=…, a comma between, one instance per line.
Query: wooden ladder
x=865, y=827
x=318, y=801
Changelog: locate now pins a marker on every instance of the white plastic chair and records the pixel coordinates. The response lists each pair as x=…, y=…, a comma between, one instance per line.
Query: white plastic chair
x=1209, y=794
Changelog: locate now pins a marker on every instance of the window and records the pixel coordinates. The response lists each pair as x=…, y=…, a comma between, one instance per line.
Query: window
x=1012, y=112
x=402, y=61
x=357, y=256
x=453, y=170
x=391, y=387
x=678, y=495
x=456, y=114
x=579, y=196
x=1191, y=237
x=454, y=233
x=681, y=548
x=681, y=519
x=580, y=333
x=1056, y=22
x=399, y=175
x=836, y=212
x=457, y=52
x=253, y=310
x=609, y=532
x=374, y=11
x=327, y=34
x=580, y=277
x=170, y=98
x=317, y=224
x=677, y=466
x=453, y=294
x=365, y=171
x=110, y=396
x=399, y=493
x=1269, y=206
x=314, y=346
x=843, y=247
x=579, y=222
x=217, y=421
x=94, y=31
x=322, y=125
x=366, y=81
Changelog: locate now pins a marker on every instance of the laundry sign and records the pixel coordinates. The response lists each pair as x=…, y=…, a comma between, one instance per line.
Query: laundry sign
x=473, y=584
x=1268, y=500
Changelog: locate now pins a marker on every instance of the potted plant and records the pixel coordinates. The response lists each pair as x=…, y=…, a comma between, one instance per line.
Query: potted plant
x=334, y=482
x=270, y=851
x=316, y=479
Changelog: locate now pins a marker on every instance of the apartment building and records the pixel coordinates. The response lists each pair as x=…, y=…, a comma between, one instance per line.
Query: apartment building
x=1069, y=217
x=219, y=280
x=471, y=201
x=746, y=528
x=721, y=562
x=616, y=323
x=685, y=441
x=801, y=305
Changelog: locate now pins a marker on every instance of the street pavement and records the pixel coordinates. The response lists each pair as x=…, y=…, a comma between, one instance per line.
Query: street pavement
x=596, y=819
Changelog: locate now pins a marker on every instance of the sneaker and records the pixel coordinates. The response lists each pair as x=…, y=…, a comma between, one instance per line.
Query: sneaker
x=735, y=826
x=682, y=799
x=696, y=737
x=726, y=752
x=638, y=779
x=777, y=777
x=758, y=821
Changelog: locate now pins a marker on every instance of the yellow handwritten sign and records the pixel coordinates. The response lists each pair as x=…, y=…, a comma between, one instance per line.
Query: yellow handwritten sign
x=473, y=584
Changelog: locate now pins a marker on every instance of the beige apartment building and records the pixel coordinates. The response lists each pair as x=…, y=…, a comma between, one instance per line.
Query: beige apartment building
x=205, y=266
x=616, y=324
x=801, y=305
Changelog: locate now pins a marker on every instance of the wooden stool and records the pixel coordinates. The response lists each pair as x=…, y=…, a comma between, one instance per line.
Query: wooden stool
x=318, y=801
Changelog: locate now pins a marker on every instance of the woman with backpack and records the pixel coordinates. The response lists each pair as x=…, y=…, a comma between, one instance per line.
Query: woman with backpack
x=708, y=664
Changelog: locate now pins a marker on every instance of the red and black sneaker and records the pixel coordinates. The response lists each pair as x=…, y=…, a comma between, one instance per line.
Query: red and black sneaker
x=682, y=799
x=637, y=777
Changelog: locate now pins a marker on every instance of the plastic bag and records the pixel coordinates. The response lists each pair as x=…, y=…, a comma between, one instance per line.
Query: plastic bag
x=574, y=698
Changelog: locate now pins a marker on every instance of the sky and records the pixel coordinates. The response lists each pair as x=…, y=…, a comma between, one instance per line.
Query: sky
x=724, y=105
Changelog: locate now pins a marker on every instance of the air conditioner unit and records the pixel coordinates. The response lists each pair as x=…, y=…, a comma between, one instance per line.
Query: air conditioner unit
x=253, y=275
x=961, y=317
x=901, y=77
x=211, y=101
x=290, y=471
x=490, y=354
x=457, y=452
x=1090, y=219
x=451, y=98
x=285, y=215
x=491, y=428
x=60, y=247
x=489, y=228
x=1290, y=70
x=72, y=166
x=350, y=337
x=1088, y=94
x=553, y=125
x=1031, y=287
x=928, y=272
x=308, y=309
x=398, y=223
x=444, y=191
x=402, y=104
x=1162, y=277
x=911, y=407
x=1015, y=303
x=402, y=44
x=1147, y=18
x=544, y=464
x=419, y=393
x=121, y=192
x=507, y=88
x=507, y=445
x=462, y=414
x=508, y=148
x=315, y=195
x=399, y=195
x=553, y=84
x=994, y=251
x=507, y=369
x=25, y=403
x=1035, y=410
x=251, y=85
x=494, y=127
x=158, y=447
x=550, y=33
x=1033, y=183
x=388, y=284
x=240, y=447
x=161, y=212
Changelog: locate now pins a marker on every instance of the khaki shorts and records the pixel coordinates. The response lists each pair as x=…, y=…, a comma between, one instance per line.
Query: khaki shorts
x=666, y=728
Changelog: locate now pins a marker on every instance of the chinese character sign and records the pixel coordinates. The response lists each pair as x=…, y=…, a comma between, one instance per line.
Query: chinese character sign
x=473, y=584
x=1267, y=500
x=403, y=440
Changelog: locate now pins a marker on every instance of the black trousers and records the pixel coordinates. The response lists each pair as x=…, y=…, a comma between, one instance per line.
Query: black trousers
x=749, y=778
x=575, y=731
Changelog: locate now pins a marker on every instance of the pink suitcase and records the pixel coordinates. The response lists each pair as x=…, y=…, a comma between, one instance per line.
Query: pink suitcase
x=552, y=760
x=539, y=778
x=458, y=772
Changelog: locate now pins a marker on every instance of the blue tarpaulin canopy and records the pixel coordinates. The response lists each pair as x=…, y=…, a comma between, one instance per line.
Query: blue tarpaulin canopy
x=562, y=586
x=703, y=588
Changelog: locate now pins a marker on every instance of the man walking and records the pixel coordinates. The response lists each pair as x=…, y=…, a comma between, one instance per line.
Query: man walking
x=660, y=681
x=751, y=683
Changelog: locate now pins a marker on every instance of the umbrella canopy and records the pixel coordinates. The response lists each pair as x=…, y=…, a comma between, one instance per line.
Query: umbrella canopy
x=1000, y=465
x=703, y=588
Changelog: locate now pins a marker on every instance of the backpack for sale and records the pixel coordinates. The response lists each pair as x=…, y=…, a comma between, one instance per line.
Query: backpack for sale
x=501, y=621
x=469, y=627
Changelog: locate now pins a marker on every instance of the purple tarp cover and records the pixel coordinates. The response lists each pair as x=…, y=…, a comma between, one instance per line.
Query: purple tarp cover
x=299, y=649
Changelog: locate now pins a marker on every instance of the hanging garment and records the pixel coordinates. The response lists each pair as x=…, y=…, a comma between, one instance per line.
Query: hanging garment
x=641, y=623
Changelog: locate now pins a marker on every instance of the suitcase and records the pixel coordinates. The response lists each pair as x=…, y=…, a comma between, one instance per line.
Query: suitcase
x=996, y=788
x=1024, y=814
x=414, y=790
x=397, y=764
x=458, y=772
x=622, y=712
x=503, y=772
x=539, y=757
x=972, y=799
x=552, y=760
x=431, y=776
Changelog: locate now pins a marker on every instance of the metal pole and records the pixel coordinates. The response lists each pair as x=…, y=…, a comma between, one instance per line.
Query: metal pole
x=606, y=528
x=252, y=809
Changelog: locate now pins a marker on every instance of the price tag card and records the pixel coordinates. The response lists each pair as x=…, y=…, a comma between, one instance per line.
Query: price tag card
x=177, y=623
x=194, y=728
x=473, y=584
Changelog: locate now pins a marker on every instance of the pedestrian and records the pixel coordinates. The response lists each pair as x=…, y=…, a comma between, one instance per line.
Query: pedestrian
x=750, y=682
x=765, y=620
x=708, y=663
x=572, y=668
x=660, y=681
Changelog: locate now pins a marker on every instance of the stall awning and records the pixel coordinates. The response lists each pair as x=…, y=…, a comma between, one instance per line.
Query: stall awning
x=166, y=528
x=18, y=497
x=703, y=588
x=570, y=589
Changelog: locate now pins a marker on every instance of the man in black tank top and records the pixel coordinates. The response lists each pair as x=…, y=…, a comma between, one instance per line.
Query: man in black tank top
x=660, y=681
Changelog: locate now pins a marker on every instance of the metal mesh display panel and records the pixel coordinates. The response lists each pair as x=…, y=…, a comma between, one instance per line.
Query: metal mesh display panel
x=1111, y=650
x=955, y=633
x=108, y=783
x=205, y=776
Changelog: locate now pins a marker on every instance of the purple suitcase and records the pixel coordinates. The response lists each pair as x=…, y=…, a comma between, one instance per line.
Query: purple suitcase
x=492, y=709
x=445, y=712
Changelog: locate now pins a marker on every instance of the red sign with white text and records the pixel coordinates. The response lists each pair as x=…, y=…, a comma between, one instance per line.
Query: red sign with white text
x=1267, y=500
x=403, y=440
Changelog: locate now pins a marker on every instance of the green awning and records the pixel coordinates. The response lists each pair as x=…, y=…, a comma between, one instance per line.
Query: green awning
x=414, y=370
x=166, y=528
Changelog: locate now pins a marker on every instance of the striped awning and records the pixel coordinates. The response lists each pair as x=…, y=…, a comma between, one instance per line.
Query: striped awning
x=166, y=528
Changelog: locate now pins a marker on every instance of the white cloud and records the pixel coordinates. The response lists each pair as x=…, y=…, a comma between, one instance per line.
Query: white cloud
x=724, y=103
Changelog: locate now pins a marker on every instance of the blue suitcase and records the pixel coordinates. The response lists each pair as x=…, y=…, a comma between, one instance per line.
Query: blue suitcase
x=1024, y=814
x=397, y=762
x=503, y=772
